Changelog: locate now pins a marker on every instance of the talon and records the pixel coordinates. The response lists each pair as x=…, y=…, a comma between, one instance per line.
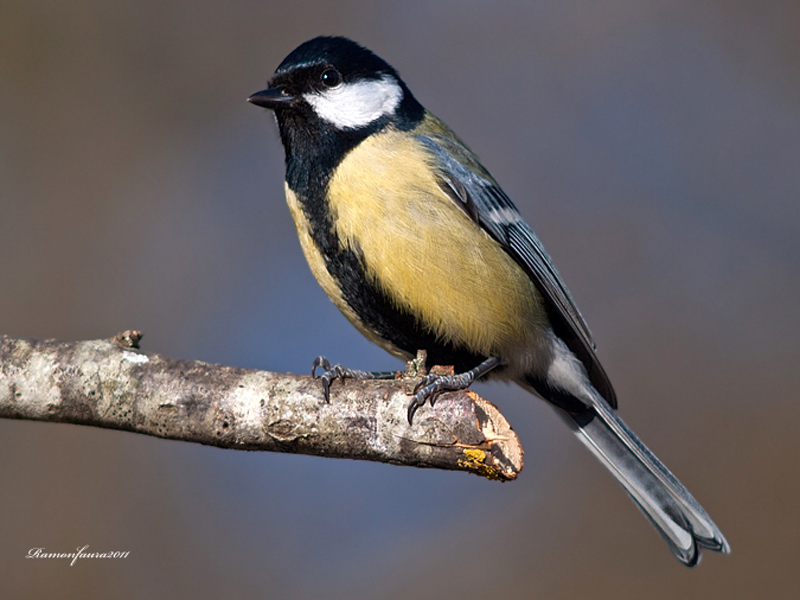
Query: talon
x=326, y=387
x=333, y=372
x=429, y=387
x=413, y=406
x=425, y=382
x=428, y=393
x=326, y=377
x=320, y=362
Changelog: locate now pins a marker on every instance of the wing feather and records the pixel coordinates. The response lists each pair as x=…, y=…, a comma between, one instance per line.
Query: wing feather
x=482, y=199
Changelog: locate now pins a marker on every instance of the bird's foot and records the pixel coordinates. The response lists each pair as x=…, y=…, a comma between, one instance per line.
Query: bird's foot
x=432, y=385
x=332, y=372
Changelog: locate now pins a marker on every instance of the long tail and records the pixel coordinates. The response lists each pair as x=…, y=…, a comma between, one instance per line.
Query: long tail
x=669, y=506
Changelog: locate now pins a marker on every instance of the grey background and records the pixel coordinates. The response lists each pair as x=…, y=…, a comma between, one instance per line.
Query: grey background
x=654, y=147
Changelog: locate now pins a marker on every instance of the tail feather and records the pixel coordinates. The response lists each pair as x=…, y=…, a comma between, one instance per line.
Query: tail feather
x=668, y=505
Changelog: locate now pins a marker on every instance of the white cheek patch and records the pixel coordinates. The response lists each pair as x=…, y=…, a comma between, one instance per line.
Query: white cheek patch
x=354, y=105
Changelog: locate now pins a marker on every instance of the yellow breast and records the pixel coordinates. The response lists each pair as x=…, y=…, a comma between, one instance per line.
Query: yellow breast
x=426, y=254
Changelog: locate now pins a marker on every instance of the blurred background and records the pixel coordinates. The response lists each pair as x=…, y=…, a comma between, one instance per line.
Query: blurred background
x=655, y=148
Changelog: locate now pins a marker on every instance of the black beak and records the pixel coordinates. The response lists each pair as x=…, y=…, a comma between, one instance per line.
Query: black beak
x=271, y=98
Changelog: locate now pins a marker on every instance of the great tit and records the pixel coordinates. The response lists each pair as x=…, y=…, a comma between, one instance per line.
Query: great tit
x=415, y=242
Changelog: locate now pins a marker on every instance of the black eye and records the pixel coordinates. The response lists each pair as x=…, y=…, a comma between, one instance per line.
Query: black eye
x=331, y=78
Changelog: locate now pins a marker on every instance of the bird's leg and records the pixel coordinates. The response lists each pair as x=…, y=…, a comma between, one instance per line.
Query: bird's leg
x=333, y=372
x=429, y=386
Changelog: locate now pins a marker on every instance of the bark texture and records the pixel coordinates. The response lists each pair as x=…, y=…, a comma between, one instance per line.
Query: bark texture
x=113, y=384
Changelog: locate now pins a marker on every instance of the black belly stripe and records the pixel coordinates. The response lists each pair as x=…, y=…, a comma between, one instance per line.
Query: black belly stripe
x=373, y=307
x=379, y=314
x=312, y=155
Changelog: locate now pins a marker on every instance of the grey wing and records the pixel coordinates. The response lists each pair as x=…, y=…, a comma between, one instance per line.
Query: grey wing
x=483, y=200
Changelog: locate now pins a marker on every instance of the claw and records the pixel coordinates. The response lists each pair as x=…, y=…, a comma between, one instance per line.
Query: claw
x=326, y=387
x=430, y=386
x=330, y=373
x=320, y=361
x=327, y=376
x=425, y=382
x=413, y=406
x=334, y=372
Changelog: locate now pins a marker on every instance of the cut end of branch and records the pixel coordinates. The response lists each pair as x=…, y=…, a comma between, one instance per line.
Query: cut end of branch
x=504, y=458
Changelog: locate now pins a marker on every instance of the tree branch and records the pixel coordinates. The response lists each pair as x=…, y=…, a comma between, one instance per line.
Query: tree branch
x=112, y=384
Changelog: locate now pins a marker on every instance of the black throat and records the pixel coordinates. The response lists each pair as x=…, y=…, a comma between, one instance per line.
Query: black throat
x=314, y=149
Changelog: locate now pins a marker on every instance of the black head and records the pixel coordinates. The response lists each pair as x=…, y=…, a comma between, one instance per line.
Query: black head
x=328, y=95
x=332, y=82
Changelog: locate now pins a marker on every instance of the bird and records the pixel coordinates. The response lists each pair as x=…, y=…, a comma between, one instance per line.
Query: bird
x=418, y=246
